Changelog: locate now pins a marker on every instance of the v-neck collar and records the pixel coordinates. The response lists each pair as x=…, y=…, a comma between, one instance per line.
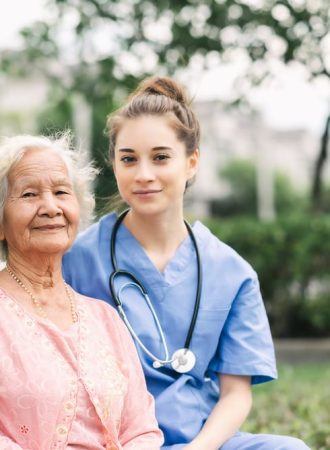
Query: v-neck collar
x=133, y=255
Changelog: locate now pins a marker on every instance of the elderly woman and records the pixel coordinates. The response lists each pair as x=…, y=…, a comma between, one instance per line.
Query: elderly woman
x=69, y=373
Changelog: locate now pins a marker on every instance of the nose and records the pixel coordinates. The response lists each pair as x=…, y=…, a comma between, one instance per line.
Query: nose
x=49, y=205
x=144, y=172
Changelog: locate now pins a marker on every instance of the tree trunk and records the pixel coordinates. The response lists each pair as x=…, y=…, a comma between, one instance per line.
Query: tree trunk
x=317, y=181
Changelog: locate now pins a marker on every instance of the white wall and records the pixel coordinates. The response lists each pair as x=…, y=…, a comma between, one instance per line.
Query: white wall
x=228, y=134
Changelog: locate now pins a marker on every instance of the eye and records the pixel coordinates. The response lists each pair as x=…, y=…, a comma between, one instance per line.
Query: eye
x=162, y=157
x=28, y=194
x=60, y=192
x=128, y=159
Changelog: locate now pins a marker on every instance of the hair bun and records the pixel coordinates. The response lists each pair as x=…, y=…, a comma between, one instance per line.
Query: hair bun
x=161, y=97
x=163, y=86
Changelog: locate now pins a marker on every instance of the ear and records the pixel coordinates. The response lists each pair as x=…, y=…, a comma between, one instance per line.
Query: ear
x=193, y=163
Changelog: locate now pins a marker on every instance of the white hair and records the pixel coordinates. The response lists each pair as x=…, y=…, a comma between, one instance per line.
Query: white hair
x=80, y=169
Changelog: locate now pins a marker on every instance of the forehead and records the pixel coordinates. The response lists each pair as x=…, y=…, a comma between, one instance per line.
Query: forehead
x=146, y=127
x=37, y=163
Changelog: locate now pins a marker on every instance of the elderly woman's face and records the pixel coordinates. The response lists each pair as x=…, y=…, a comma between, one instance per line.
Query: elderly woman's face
x=41, y=213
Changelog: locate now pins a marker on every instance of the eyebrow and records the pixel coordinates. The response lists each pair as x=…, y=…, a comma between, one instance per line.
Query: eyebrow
x=154, y=149
x=31, y=181
x=63, y=181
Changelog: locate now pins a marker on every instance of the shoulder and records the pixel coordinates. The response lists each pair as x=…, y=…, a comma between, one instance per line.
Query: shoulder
x=90, y=240
x=103, y=314
x=98, y=229
x=96, y=307
x=218, y=253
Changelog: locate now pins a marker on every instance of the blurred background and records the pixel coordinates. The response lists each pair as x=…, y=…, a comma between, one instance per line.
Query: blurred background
x=258, y=72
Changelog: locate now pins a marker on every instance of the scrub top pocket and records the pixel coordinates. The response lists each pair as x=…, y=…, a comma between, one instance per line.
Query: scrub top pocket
x=206, y=336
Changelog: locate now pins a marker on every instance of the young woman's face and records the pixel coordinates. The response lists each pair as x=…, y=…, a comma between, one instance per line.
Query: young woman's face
x=41, y=213
x=151, y=165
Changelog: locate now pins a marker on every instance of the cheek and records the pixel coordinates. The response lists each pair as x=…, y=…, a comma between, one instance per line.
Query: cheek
x=180, y=175
x=75, y=216
x=17, y=224
x=72, y=213
x=122, y=180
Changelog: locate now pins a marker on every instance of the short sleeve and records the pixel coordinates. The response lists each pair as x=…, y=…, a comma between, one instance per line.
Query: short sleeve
x=246, y=345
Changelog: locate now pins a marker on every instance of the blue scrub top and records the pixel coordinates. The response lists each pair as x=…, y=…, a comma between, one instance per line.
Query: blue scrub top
x=232, y=333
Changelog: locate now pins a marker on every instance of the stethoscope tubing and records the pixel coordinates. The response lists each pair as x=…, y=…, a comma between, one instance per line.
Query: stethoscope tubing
x=198, y=288
x=137, y=284
x=167, y=360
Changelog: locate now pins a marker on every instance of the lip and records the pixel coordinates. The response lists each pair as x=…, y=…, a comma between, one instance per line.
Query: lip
x=146, y=191
x=49, y=227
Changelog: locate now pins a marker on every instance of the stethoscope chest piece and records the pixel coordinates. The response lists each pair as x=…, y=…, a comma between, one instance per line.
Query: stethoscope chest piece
x=183, y=360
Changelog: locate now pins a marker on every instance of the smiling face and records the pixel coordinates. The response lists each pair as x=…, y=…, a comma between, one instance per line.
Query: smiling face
x=151, y=165
x=41, y=213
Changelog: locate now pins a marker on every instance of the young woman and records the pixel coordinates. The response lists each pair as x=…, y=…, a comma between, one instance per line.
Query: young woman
x=201, y=331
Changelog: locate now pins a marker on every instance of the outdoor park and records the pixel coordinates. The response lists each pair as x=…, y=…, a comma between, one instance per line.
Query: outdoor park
x=89, y=54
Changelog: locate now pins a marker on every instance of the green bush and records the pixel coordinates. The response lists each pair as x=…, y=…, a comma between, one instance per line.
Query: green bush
x=292, y=258
x=297, y=405
x=240, y=175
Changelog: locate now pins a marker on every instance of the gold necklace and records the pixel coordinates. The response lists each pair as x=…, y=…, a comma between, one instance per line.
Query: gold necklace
x=36, y=302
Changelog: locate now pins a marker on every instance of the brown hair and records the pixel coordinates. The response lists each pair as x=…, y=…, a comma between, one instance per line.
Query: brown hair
x=159, y=96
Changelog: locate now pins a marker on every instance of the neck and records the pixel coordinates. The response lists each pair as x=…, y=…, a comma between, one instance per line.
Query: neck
x=42, y=274
x=41, y=290
x=159, y=236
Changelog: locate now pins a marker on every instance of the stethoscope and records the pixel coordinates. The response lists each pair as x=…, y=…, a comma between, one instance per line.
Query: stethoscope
x=183, y=360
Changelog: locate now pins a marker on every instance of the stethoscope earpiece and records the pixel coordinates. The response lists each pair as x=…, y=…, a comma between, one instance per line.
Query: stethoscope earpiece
x=183, y=359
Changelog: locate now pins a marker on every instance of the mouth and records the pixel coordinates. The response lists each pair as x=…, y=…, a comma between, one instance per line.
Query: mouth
x=146, y=191
x=50, y=227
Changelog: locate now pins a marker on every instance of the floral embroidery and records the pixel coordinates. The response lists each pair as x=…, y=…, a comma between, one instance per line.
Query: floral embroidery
x=24, y=429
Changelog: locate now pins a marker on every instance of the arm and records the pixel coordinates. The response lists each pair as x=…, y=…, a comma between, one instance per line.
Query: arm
x=228, y=414
x=139, y=429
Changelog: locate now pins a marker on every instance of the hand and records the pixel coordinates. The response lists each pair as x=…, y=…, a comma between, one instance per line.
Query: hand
x=194, y=446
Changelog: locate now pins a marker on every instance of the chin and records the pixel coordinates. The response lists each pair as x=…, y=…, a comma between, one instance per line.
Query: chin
x=53, y=248
x=148, y=207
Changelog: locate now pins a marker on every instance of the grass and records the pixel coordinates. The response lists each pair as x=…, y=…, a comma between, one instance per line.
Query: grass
x=297, y=404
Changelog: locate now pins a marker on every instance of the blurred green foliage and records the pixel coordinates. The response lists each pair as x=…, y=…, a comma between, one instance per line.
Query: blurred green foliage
x=296, y=405
x=57, y=116
x=240, y=175
x=292, y=258
x=325, y=199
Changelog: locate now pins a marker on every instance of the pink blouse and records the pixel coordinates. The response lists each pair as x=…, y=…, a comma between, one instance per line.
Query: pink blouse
x=82, y=388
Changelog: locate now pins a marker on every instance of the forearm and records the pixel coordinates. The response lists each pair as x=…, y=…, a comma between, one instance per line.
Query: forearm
x=151, y=441
x=226, y=418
